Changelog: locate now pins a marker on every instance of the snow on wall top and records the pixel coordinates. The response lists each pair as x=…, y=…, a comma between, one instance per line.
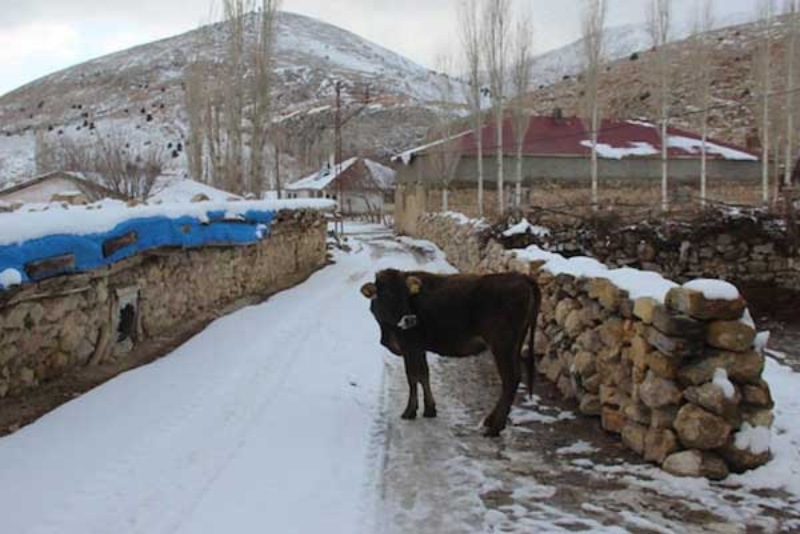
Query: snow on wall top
x=104, y=233
x=320, y=179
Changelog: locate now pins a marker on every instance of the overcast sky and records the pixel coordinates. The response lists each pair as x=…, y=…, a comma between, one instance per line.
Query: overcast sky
x=41, y=36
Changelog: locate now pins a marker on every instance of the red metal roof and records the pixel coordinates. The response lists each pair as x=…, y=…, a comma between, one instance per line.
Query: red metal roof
x=569, y=136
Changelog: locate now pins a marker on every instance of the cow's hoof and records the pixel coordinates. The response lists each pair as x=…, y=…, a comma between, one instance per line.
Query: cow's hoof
x=491, y=432
x=408, y=416
x=430, y=412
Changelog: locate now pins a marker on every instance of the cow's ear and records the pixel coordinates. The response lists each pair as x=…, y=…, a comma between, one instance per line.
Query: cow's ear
x=369, y=290
x=414, y=285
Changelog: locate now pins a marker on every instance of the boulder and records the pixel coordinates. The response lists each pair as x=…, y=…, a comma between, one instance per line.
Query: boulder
x=590, y=405
x=733, y=336
x=677, y=324
x=677, y=347
x=747, y=449
x=662, y=365
x=657, y=392
x=695, y=304
x=585, y=364
x=695, y=463
x=612, y=332
x=633, y=436
x=700, y=429
x=606, y=292
x=742, y=367
x=712, y=398
x=563, y=308
x=643, y=309
x=663, y=418
x=658, y=444
x=757, y=395
x=613, y=420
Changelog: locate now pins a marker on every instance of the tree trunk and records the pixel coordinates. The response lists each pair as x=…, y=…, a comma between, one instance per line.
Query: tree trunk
x=595, y=170
x=518, y=188
x=664, y=166
x=500, y=186
x=704, y=160
x=479, y=131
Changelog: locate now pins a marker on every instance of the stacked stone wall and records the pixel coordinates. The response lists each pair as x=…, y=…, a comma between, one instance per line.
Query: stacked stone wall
x=680, y=381
x=62, y=324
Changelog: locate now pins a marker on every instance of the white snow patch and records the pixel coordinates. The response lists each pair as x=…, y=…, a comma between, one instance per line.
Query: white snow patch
x=714, y=289
x=169, y=189
x=579, y=447
x=533, y=491
x=761, y=341
x=10, y=278
x=636, y=283
x=747, y=319
x=637, y=148
x=694, y=146
x=408, y=155
x=755, y=439
x=525, y=227
x=723, y=383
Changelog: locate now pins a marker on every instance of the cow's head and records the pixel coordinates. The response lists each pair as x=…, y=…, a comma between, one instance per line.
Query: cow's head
x=391, y=296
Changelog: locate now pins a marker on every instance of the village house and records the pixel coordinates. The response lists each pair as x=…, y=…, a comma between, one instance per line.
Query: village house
x=556, y=169
x=365, y=185
x=56, y=186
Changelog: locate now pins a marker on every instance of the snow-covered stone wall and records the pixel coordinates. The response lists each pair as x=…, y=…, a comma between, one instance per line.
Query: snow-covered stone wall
x=674, y=370
x=67, y=322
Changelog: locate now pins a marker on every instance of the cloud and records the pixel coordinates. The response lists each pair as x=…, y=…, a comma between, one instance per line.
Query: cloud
x=33, y=41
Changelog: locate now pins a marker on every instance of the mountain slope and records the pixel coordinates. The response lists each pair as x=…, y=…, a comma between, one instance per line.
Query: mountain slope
x=139, y=93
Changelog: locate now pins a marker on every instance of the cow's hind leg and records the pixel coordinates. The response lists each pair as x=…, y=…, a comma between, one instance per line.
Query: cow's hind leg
x=506, y=356
x=427, y=393
x=412, y=366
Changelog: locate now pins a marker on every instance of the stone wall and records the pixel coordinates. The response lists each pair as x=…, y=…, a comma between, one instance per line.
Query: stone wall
x=745, y=248
x=56, y=325
x=679, y=381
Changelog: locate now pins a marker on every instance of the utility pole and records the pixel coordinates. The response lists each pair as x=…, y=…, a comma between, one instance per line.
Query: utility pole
x=337, y=158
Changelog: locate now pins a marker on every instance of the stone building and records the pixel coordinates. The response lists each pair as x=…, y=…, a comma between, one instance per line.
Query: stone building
x=363, y=184
x=556, y=166
x=58, y=185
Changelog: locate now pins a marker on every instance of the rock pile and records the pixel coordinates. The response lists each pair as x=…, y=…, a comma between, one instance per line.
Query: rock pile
x=678, y=378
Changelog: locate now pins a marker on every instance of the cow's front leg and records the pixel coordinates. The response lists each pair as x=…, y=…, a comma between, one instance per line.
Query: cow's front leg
x=412, y=376
x=427, y=393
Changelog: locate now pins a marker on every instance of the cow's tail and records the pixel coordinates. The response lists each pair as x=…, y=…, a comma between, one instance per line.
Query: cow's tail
x=530, y=360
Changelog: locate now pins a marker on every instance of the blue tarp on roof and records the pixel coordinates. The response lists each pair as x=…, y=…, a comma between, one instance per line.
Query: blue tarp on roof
x=150, y=233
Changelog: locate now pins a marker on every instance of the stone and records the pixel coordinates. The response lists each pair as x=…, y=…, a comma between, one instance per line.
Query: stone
x=610, y=396
x=200, y=197
x=613, y=420
x=758, y=417
x=733, y=336
x=566, y=387
x=742, y=367
x=700, y=429
x=585, y=364
x=590, y=341
x=592, y=384
x=694, y=304
x=27, y=376
x=663, y=365
x=637, y=412
x=757, y=395
x=695, y=463
x=659, y=444
x=639, y=350
x=73, y=330
x=677, y=347
x=643, y=309
x=563, y=308
x=657, y=392
x=57, y=309
x=590, y=405
x=612, y=332
x=677, y=324
x=633, y=436
x=576, y=322
x=743, y=459
x=712, y=398
x=606, y=292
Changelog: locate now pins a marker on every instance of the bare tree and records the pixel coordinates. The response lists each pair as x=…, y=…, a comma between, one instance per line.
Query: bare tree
x=702, y=71
x=194, y=100
x=470, y=33
x=261, y=101
x=522, y=69
x=793, y=22
x=764, y=85
x=445, y=158
x=496, y=25
x=659, y=28
x=594, y=21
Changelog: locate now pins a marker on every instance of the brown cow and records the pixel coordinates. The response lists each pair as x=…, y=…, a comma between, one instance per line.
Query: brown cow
x=457, y=315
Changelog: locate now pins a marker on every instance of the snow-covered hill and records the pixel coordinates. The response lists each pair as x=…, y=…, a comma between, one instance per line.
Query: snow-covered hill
x=139, y=93
x=620, y=42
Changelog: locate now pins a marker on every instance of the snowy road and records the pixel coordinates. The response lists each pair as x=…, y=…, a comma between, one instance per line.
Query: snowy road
x=283, y=417
x=267, y=421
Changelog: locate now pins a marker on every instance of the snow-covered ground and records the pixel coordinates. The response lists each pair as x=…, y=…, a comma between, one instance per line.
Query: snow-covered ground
x=284, y=417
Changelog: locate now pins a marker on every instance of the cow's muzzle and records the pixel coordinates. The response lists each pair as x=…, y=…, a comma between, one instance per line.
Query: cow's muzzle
x=407, y=322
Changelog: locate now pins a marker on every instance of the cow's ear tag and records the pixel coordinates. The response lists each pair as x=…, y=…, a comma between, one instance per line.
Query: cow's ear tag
x=414, y=285
x=369, y=290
